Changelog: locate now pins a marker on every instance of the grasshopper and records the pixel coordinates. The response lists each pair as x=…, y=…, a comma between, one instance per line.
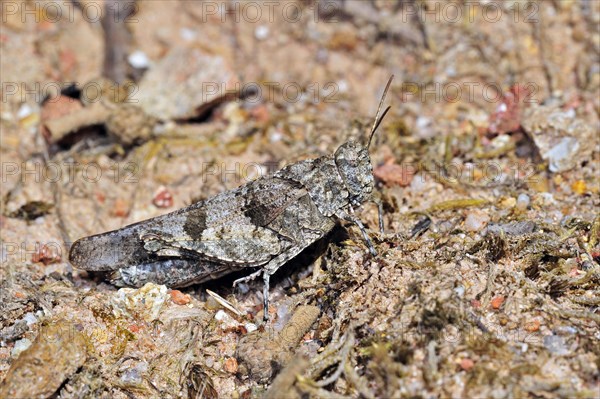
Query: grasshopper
x=261, y=224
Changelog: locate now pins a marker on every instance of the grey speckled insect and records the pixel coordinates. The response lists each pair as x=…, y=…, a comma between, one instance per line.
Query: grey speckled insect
x=262, y=224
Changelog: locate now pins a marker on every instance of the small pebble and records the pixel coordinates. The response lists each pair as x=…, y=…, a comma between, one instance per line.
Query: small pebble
x=180, y=298
x=565, y=330
x=188, y=34
x=30, y=318
x=579, y=187
x=221, y=315
x=497, y=302
x=532, y=326
x=275, y=136
x=523, y=202
x=556, y=345
x=508, y=203
x=394, y=174
x=250, y=327
x=121, y=208
x=24, y=111
x=475, y=303
x=20, y=346
x=46, y=254
x=466, y=364
x=261, y=32
x=512, y=228
x=476, y=220
x=138, y=59
x=560, y=155
x=131, y=377
x=231, y=365
x=162, y=198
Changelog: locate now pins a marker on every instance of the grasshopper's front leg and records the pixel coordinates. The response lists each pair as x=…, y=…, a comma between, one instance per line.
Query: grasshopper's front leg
x=351, y=217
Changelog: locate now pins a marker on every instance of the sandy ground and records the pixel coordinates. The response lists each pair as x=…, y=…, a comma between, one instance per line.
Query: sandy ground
x=486, y=281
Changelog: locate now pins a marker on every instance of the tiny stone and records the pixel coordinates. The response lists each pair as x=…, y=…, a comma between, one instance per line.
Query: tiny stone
x=20, y=346
x=556, y=345
x=476, y=220
x=523, y=202
x=30, y=318
x=131, y=377
x=138, y=59
x=24, y=111
x=532, y=326
x=466, y=364
x=162, y=198
x=497, y=302
x=508, y=203
x=231, y=365
x=180, y=298
x=261, y=32
x=209, y=361
x=187, y=34
x=220, y=315
x=579, y=187
x=561, y=154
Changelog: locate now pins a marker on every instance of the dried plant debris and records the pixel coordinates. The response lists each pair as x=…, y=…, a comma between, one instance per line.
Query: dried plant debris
x=32, y=210
x=265, y=353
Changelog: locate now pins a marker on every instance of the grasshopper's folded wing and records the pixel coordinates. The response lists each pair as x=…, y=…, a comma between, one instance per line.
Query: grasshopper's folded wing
x=230, y=228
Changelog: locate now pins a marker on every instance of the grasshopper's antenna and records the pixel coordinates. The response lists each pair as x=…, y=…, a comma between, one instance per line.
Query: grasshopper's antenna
x=378, y=119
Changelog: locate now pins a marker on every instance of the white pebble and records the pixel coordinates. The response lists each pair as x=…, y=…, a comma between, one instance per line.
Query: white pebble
x=418, y=183
x=275, y=136
x=261, y=32
x=422, y=122
x=138, y=59
x=523, y=202
x=250, y=327
x=20, y=346
x=343, y=86
x=476, y=220
x=30, y=318
x=24, y=111
x=221, y=315
x=187, y=34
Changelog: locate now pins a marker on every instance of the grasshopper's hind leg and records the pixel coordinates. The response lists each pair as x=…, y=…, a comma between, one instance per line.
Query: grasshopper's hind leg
x=274, y=264
x=247, y=278
x=266, y=277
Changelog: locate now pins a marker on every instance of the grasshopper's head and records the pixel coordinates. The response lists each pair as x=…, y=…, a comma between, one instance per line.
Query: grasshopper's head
x=354, y=166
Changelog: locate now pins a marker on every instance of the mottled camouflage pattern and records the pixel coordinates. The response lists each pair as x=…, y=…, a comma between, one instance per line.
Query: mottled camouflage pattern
x=261, y=224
